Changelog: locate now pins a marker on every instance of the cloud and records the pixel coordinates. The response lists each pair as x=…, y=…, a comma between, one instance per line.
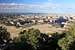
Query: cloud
x=36, y=7
x=12, y=6
x=22, y=6
x=28, y=7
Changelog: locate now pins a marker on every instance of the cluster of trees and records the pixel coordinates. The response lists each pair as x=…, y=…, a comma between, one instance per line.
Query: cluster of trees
x=68, y=42
x=33, y=39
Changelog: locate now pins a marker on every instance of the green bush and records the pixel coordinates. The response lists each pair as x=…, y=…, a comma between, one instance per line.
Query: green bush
x=30, y=37
x=69, y=38
x=4, y=38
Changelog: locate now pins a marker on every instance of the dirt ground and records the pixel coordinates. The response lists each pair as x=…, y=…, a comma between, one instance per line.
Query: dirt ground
x=44, y=28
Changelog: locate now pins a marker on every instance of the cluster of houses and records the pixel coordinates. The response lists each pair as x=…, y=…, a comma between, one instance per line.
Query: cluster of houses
x=32, y=20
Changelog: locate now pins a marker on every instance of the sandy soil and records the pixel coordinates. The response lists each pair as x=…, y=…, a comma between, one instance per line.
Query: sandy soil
x=44, y=28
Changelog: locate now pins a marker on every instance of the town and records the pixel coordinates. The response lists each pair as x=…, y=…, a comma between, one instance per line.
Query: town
x=46, y=24
x=25, y=21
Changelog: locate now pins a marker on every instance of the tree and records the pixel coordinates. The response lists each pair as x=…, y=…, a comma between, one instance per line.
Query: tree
x=69, y=38
x=33, y=39
x=4, y=38
x=30, y=37
x=50, y=42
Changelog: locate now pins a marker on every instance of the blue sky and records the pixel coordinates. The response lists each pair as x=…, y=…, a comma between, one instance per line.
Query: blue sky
x=22, y=1
x=38, y=6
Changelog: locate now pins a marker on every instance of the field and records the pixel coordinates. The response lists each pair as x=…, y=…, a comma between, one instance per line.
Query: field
x=44, y=28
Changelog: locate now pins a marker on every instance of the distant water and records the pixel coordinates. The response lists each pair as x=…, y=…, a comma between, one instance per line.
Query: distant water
x=36, y=14
x=26, y=14
x=31, y=14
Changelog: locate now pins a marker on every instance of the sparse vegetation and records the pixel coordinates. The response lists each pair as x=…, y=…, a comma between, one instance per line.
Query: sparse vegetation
x=33, y=39
x=69, y=38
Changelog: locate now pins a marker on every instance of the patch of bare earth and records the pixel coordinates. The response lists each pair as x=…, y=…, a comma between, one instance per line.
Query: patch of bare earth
x=44, y=28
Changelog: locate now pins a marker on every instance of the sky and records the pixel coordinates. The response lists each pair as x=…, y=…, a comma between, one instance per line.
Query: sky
x=37, y=6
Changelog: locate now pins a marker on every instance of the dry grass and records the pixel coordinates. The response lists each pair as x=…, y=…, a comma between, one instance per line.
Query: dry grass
x=44, y=28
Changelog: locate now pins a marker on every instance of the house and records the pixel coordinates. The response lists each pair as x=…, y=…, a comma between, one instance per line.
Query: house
x=40, y=21
x=34, y=21
x=60, y=20
x=18, y=24
x=45, y=20
x=11, y=22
